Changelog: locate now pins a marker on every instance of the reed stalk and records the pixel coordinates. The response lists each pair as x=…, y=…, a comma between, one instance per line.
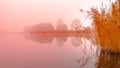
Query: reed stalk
x=107, y=26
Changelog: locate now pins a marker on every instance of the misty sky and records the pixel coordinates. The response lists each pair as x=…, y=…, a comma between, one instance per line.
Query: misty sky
x=17, y=14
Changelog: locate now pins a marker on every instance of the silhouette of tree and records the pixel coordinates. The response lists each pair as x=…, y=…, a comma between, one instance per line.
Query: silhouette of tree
x=40, y=27
x=76, y=25
x=89, y=30
x=60, y=25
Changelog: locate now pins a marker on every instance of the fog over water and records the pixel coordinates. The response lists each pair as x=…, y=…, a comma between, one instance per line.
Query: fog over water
x=15, y=15
x=54, y=35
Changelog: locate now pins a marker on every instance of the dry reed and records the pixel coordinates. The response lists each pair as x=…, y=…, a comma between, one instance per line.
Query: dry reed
x=107, y=26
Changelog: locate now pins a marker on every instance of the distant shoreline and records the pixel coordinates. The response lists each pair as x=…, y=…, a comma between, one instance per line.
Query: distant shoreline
x=55, y=31
x=63, y=33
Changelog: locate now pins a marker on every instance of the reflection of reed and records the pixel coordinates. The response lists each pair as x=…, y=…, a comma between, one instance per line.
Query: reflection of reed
x=108, y=60
x=89, y=49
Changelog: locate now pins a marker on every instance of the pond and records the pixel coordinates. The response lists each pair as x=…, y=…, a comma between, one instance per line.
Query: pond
x=34, y=51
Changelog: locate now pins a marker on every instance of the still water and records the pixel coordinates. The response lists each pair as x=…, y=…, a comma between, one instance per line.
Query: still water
x=34, y=51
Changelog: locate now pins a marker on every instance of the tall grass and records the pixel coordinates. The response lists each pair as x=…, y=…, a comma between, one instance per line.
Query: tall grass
x=107, y=26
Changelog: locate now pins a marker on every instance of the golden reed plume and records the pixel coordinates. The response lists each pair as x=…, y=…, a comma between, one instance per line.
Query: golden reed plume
x=107, y=26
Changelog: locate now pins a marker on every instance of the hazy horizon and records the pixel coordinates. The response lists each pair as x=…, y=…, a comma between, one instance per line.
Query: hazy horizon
x=17, y=14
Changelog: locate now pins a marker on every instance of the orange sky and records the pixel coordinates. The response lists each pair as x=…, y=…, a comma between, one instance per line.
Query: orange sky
x=17, y=14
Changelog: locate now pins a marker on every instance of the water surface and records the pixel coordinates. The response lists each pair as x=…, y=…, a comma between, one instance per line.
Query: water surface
x=34, y=51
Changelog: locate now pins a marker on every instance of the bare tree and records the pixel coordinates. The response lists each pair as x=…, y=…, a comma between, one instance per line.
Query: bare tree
x=60, y=25
x=76, y=25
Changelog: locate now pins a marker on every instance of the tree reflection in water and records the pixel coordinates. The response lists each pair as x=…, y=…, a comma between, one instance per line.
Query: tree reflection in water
x=89, y=48
x=87, y=45
x=61, y=40
x=39, y=39
x=46, y=39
